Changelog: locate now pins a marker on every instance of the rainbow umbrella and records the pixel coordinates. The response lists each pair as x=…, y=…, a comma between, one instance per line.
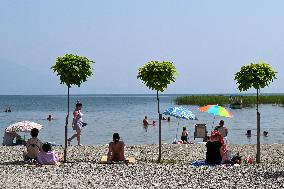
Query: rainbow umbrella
x=216, y=110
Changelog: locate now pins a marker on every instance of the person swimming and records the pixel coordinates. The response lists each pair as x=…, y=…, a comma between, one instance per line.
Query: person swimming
x=49, y=118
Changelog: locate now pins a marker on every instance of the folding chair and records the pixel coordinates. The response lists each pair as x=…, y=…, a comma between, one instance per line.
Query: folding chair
x=200, y=131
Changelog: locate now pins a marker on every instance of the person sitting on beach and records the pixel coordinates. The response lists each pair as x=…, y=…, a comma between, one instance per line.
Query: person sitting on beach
x=34, y=146
x=222, y=129
x=116, y=149
x=216, y=149
x=8, y=138
x=184, y=136
x=47, y=156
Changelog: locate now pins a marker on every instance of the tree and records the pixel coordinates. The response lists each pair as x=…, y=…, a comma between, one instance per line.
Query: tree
x=156, y=76
x=257, y=76
x=72, y=70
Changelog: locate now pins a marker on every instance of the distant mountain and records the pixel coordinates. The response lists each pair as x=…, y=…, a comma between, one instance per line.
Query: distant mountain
x=17, y=79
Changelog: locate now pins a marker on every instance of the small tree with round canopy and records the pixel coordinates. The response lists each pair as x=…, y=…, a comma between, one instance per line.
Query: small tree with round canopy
x=257, y=76
x=156, y=76
x=72, y=70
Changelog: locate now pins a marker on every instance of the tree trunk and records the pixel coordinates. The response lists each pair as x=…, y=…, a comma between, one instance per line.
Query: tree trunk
x=66, y=131
x=258, y=129
x=160, y=117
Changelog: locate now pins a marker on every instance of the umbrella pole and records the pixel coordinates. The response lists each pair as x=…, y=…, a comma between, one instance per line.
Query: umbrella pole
x=177, y=130
x=213, y=123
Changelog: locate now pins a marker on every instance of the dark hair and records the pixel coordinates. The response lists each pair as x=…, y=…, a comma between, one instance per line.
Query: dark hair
x=78, y=104
x=222, y=122
x=34, y=132
x=115, y=137
x=184, y=128
x=46, y=147
x=145, y=117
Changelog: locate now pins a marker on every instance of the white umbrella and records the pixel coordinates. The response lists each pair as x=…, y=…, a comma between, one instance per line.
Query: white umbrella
x=23, y=126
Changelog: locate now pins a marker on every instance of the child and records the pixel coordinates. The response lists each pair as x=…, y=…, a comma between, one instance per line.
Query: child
x=47, y=156
x=184, y=136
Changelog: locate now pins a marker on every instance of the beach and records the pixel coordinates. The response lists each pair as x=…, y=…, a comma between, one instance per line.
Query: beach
x=83, y=169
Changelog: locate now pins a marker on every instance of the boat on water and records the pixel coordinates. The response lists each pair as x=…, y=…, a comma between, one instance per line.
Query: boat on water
x=236, y=105
x=236, y=102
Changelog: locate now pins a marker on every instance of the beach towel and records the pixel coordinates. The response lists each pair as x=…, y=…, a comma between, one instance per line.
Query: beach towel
x=131, y=160
x=202, y=163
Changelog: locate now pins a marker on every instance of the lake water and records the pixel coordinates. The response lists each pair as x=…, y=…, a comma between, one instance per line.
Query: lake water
x=106, y=114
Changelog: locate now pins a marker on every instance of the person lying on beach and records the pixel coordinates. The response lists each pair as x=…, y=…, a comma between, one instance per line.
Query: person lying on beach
x=216, y=149
x=34, y=146
x=47, y=156
x=116, y=149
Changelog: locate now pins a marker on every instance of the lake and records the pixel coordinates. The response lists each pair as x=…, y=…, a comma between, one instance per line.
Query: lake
x=106, y=114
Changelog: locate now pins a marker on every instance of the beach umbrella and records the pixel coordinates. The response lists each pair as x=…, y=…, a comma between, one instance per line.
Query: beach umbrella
x=180, y=113
x=216, y=110
x=23, y=126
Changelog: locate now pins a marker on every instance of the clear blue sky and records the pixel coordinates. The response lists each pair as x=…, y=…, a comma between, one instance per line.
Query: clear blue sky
x=208, y=41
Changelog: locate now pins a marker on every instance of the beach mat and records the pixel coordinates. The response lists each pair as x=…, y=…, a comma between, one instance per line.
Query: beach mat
x=131, y=160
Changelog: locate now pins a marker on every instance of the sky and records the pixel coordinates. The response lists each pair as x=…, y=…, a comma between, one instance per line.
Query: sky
x=208, y=42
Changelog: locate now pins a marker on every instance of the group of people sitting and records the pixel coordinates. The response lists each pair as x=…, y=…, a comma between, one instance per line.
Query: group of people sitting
x=217, y=151
x=39, y=153
x=42, y=153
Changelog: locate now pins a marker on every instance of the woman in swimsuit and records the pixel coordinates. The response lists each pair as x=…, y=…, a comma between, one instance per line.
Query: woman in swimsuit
x=77, y=124
x=34, y=146
x=116, y=149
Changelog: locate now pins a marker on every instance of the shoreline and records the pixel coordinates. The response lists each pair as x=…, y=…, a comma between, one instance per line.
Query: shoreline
x=84, y=170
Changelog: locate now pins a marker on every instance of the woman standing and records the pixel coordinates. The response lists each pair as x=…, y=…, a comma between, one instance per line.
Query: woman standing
x=77, y=124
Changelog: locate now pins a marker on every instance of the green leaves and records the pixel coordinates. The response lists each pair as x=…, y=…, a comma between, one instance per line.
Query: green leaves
x=73, y=69
x=157, y=75
x=255, y=75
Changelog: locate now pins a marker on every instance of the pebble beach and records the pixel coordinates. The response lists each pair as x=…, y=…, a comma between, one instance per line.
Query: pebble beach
x=83, y=169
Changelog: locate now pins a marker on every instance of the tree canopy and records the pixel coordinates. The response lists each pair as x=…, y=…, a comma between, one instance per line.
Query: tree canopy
x=255, y=75
x=73, y=69
x=157, y=75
